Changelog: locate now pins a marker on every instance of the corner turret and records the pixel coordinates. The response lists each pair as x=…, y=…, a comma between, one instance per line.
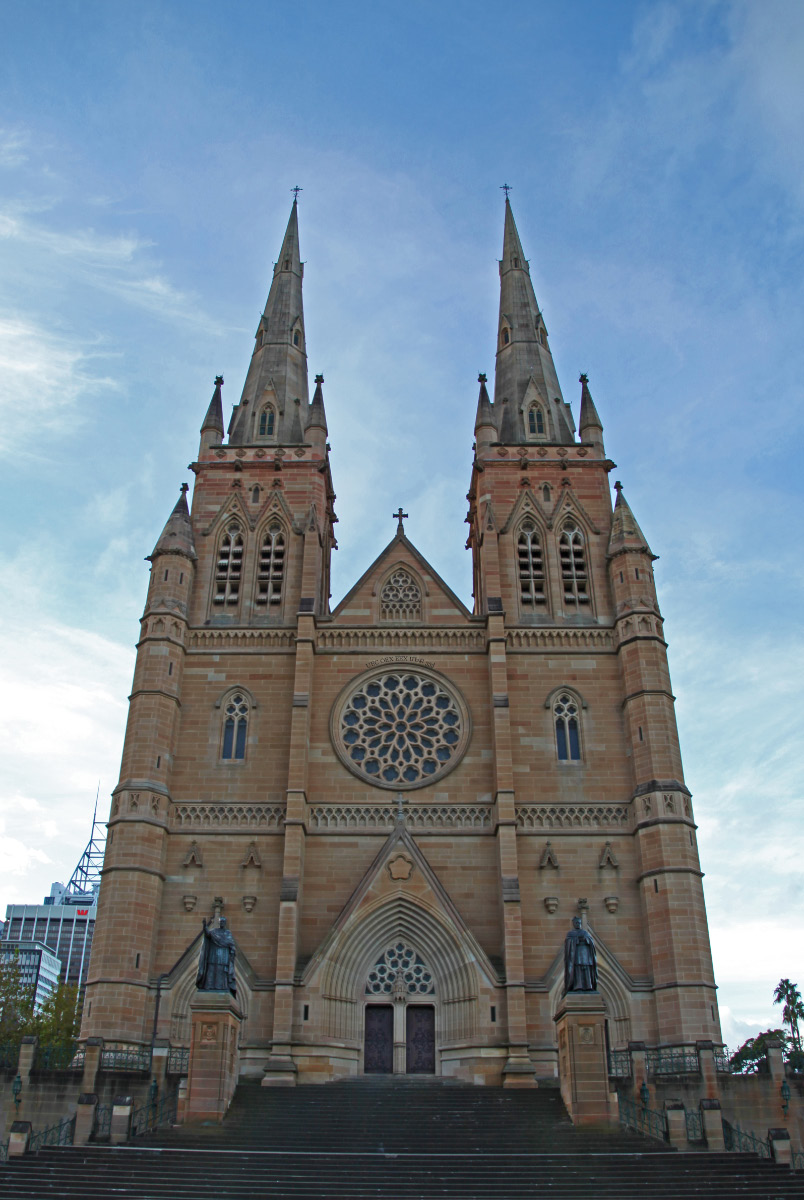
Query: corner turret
x=590, y=426
x=212, y=427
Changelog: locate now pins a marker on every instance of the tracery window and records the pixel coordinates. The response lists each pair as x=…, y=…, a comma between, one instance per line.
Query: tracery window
x=229, y=568
x=506, y=337
x=567, y=722
x=235, y=727
x=531, y=566
x=399, y=962
x=271, y=573
x=535, y=421
x=400, y=597
x=574, y=572
x=267, y=421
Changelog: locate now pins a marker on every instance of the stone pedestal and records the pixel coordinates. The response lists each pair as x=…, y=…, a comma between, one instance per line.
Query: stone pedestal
x=214, y=1055
x=18, y=1138
x=713, y=1124
x=85, y=1118
x=583, y=1069
x=120, y=1127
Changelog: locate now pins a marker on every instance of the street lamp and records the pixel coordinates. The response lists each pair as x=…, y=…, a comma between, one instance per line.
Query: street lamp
x=644, y=1094
x=16, y=1088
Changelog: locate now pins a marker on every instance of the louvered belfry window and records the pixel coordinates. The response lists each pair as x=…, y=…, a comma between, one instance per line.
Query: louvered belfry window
x=271, y=575
x=574, y=572
x=531, y=566
x=229, y=567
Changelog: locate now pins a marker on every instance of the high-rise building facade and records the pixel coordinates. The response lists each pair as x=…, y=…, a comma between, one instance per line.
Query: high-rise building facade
x=400, y=803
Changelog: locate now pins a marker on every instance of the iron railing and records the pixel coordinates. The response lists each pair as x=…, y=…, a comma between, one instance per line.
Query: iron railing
x=738, y=1139
x=672, y=1060
x=178, y=1062
x=103, y=1122
x=722, y=1058
x=69, y=1057
x=641, y=1119
x=3, y=1152
x=154, y=1113
x=126, y=1058
x=9, y=1055
x=695, y=1128
x=619, y=1064
x=55, y=1135
x=797, y=1160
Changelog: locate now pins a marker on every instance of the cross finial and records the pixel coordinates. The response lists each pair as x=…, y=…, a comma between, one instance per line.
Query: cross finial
x=506, y=187
x=400, y=516
x=400, y=812
x=296, y=191
x=218, y=381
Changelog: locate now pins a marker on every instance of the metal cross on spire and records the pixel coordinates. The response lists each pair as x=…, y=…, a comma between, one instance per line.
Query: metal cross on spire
x=296, y=191
x=506, y=187
x=400, y=516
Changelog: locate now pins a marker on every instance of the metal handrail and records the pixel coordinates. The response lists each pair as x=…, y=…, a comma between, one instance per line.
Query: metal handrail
x=743, y=1142
x=55, y=1135
x=642, y=1119
x=672, y=1060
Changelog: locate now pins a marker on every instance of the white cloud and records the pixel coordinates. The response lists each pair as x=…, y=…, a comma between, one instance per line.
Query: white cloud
x=13, y=148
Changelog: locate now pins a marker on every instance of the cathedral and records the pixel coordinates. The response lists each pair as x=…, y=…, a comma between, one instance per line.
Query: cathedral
x=399, y=804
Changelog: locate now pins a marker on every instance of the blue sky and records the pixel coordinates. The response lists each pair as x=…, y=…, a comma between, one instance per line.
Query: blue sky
x=146, y=158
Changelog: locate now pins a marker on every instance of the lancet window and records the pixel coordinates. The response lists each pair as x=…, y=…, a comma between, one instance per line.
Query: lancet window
x=235, y=727
x=535, y=421
x=531, y=566
x=568, y=731
x=400, y=968
x=271, y=573
x=267, y=421
x=574, y=572
x=400, y=597
x=229, y=566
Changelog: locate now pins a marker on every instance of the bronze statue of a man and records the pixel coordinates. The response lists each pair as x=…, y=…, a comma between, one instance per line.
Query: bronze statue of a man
x=216, y=961
x=580, y=959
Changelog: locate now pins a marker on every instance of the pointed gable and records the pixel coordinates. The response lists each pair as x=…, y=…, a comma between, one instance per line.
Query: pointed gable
x=362, y=604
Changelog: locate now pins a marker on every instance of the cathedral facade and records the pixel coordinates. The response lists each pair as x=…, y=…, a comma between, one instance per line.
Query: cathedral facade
x=400, y=804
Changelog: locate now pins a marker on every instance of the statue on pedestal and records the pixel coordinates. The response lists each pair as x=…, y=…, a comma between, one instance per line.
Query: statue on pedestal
x=216, y=961
x=580, y=959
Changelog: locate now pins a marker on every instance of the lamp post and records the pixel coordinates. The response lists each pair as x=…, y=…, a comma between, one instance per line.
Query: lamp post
x=644, y=1094
x=16, y=1088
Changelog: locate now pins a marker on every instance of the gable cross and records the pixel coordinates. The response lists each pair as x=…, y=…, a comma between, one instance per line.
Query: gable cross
x=400, y=516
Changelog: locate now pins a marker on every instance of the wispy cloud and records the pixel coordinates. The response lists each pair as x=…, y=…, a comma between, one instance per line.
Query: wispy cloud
x=13, y=148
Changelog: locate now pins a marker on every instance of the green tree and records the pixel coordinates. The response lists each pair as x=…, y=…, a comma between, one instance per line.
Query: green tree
x=751, y=1054
x=16, y=1001
x=788, y=995
x=59, y=1019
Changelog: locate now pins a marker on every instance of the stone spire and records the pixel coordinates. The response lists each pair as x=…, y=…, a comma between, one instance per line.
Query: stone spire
x=625, y=532
x=177, y=536
x=212, y=427
x=316, y=417
x=590, y=426
x=525, y=372
x=277, y=374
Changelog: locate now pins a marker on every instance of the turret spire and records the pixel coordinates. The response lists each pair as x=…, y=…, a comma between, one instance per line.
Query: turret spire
x=277, y=375
x=214, y=418
x=484, y=417
x=317, y=418
x=590, y=426
x=525, y=373
x=177, y=536
x=625, y=532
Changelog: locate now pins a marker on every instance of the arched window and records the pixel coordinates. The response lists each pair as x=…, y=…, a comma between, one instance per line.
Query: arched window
x=401, y=966
x=271, y=574
x=506, y=337
x=568, y=729
x=296, y=338
x=255, y=494
x=267, y=421
x=401, y=597
x=573, y=564
x=535, y=421
x=235, y=727
x=229, y=568
x=531, y=566
x=546, y=493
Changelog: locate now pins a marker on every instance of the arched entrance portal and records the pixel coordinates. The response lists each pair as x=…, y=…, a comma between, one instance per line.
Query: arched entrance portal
x=400, y=1035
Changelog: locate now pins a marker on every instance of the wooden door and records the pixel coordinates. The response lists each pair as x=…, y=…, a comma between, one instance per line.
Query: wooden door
x=420, y=1038
x=378, y=1051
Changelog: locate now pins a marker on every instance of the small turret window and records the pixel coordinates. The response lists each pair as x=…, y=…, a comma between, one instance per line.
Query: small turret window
x=535, y=421
x=267, y=422
x=568, y=731
x=271, y=575
x=531, y=567
x=506, y=337
x=574, y=571
x=229, y=567
x=296, y=338
x=235, y=727
x=515, y=262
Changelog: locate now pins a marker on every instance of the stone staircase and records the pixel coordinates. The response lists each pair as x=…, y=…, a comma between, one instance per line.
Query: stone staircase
x=409, y=1139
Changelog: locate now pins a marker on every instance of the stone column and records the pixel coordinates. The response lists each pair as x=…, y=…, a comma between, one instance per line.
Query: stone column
x=18, y=1138
x=400, y=1030
x=93, y=1048
x=713, y=1124
x=676, y=1124
x=120, y=1128
x=709, y=1080
x=214, y=1055
x=85, y=1117
x=583, y=1070
x=780, y=1146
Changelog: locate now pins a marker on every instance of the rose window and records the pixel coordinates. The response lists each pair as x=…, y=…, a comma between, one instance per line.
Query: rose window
x=400, y=730
x=400, y=958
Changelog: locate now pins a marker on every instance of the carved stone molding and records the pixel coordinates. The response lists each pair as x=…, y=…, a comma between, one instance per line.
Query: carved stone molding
x=240, y=639
x=331, y=818
x=535, y=817
x=390, y=641
x=228, y=816
x=551, y=903
x=560, y=639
